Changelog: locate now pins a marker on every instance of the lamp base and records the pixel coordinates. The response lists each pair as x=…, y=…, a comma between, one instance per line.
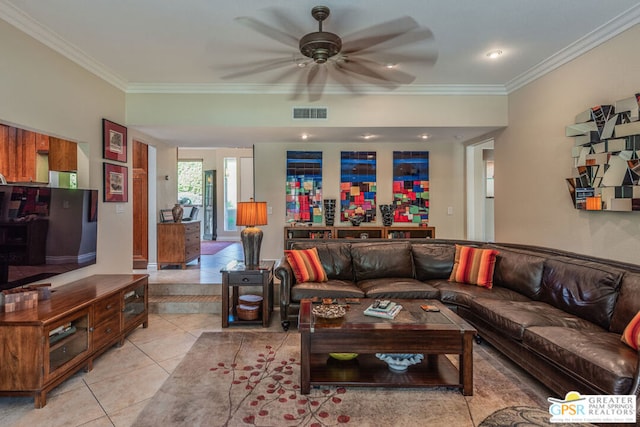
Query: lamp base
x=251, y=238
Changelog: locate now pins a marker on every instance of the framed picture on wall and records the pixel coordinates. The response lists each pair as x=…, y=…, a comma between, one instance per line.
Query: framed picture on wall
x=114, y=141
x=115, y=183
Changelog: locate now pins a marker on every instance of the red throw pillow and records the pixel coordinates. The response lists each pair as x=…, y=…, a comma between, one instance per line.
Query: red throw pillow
x=631, y=334
x=306, y=265
x=474, y=266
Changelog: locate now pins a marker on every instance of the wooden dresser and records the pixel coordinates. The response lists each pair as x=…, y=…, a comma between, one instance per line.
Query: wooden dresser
x=41, y=347
x=178, y=243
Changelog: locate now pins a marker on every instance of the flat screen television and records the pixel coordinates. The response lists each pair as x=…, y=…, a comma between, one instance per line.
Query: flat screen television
x=44, y=232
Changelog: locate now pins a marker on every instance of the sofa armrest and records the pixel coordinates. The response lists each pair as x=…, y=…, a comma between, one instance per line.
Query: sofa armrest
x=284, y=272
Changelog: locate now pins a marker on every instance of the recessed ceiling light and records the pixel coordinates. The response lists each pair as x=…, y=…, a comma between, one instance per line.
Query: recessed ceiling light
x=390, y=65
x=494, y=54
x=367, y=136
x=304, y=136
x=424, y=136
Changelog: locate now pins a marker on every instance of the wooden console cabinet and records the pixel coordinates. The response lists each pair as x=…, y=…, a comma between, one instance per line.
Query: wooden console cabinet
x=42, y=347
x=178, y=243
x=360, y=232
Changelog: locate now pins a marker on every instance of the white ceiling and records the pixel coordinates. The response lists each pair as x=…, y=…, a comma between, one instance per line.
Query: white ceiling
x=189, y=45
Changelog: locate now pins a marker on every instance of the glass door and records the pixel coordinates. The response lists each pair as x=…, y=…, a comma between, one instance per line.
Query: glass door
x=209, y=206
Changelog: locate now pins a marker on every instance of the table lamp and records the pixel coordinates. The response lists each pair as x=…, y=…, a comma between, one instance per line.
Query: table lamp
x=251, y=214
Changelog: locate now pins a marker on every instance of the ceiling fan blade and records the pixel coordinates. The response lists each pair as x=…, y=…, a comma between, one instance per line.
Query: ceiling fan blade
x=301, y=86
x=283, y=21
x=377, y=34
x=316, y=81
x=409, y=37
x=342, y=77
x=384, y=58
x=269, y=31
x=259, y=67
x=364, y=74
x=374, y=70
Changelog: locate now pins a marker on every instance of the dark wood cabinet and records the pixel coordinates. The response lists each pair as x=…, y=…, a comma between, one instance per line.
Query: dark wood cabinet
x=178, y=243
x=43, y=346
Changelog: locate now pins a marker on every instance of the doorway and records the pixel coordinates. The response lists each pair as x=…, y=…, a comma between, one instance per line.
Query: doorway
x=479, y=182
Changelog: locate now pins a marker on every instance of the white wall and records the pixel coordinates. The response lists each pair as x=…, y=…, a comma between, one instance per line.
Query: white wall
x=533, y=157
x=446, y=173
x=45, y=92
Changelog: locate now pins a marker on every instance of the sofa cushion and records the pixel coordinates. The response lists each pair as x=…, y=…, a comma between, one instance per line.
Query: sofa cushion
x=398, y=288
x=631, y=334
x=513, y=317
x=519, y=271
x=473, y=266
x=628, y=302
x=598, y=357
x=306, y=265
x=461, y=294
x=586, y=289
x=380, y=260
x=329, y=289
x=432, y=260
x=335, y=258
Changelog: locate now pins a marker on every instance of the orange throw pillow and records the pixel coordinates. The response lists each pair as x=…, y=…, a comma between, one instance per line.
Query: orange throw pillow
x=306, y=265
x=631, y=334
x=474, y=266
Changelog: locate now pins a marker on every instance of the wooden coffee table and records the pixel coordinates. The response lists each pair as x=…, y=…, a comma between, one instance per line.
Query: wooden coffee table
x=434, y=334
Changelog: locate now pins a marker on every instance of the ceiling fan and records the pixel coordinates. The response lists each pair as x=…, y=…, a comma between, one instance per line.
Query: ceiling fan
x=363, y=56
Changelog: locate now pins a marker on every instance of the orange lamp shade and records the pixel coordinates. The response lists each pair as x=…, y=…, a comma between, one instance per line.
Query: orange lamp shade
x=251, y=214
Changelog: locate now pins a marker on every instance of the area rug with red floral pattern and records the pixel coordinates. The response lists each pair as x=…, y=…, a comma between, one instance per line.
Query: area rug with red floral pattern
x=251, y=378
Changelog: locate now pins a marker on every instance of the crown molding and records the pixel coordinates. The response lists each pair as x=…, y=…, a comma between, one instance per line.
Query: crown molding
x=595, y=38
x=33, y=28
x=252, y=89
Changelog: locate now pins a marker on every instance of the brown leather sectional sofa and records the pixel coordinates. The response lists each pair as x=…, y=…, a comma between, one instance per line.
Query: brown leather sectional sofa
x=559, y=315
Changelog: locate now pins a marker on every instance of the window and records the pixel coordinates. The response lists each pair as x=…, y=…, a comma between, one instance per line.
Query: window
x=190, y=182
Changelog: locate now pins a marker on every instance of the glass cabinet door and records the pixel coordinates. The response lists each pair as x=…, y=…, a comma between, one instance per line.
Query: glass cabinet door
x=133, y=304
x=67, y=340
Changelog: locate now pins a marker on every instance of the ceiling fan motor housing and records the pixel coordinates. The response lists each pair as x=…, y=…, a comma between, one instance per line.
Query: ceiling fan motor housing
x=320, y=46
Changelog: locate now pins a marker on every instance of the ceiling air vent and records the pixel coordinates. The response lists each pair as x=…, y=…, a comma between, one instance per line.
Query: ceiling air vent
x=309, y=113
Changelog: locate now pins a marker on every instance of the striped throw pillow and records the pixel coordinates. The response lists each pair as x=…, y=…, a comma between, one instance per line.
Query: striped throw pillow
x=306, y=265
x=631, y=334
x=474, y=266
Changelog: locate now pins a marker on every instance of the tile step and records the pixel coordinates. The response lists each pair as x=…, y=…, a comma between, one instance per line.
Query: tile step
x=167, y=304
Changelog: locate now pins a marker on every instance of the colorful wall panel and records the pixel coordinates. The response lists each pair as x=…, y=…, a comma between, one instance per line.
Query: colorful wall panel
x=606, y=156
x=358, y=185
x=304, y=186
x=411, y=186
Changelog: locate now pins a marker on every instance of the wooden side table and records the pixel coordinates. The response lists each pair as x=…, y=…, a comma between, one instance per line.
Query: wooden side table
x=235, y=275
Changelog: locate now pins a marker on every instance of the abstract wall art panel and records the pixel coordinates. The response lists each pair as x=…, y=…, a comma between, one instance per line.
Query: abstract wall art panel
x=606, y=155
x=358, y=185
x=411, y=186
x=304, y=186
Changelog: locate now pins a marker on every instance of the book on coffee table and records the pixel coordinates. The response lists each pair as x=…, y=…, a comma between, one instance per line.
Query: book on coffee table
x=390, y=313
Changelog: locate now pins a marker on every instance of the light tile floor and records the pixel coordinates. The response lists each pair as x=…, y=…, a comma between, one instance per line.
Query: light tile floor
x=122, y=380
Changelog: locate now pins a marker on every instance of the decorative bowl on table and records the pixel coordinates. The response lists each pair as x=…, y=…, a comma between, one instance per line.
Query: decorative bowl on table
x=356, y=220
x=344, y=356
x=329, y=311
x=399, y=362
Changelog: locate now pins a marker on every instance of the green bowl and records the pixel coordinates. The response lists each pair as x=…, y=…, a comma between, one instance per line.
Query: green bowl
x=343, y=356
